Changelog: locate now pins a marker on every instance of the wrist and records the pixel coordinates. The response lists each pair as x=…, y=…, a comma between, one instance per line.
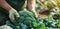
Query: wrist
x=12, y=10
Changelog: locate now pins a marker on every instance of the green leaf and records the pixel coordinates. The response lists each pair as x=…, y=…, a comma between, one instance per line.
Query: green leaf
x=35, y=24
x=42, y=26
x=17, y=27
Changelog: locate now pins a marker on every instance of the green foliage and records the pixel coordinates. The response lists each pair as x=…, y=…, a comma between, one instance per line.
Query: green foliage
x=26, y=17
x=42, y=26
x=17, y=27
x=46, y=28
x=58, y=25
x=35, y=24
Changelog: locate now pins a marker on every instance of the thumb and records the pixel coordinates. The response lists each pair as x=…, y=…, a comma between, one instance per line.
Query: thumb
x=11, y=17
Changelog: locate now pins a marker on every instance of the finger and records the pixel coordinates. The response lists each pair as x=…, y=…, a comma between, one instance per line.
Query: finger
x=17, y=15
x=36, y=14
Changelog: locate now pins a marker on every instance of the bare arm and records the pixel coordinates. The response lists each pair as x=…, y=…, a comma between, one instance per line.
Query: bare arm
x=31, y=6
x=5, y=5
x=12, y=11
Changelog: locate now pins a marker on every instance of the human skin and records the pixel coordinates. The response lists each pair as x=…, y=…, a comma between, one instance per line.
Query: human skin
x=31, y=5
x=5, y=5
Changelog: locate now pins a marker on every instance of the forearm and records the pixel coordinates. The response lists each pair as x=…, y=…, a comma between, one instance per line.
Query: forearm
x=31, y=5
x=5, y=5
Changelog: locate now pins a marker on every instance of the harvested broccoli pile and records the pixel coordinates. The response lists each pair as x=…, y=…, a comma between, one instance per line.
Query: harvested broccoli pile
x=28, y=18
